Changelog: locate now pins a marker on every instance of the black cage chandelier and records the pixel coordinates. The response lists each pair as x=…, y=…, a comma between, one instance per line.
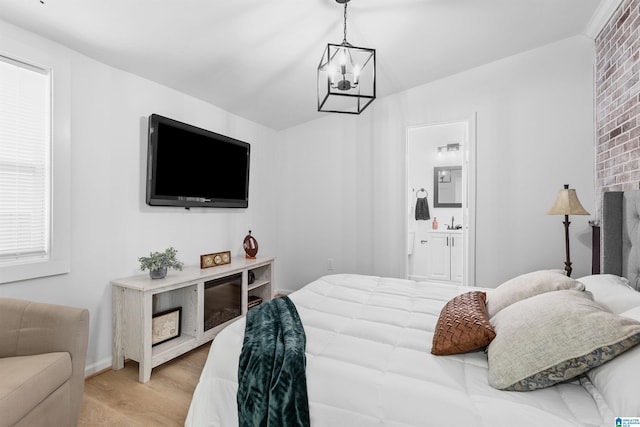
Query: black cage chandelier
x=346, y=76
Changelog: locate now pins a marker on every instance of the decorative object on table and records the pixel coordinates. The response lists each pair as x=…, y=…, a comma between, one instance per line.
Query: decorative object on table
x=215, y=259
x=422, y=205
x=566, y=204
x=251, y=277
x=254, y=300
x=346, y=76
x=250, y=246
x=158, y=262
x=166, y=325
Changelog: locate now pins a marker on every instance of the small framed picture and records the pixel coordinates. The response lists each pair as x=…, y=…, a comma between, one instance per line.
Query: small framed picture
x=166, y=325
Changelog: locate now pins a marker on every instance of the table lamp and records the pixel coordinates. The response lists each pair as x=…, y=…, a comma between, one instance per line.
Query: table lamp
x=566, y=204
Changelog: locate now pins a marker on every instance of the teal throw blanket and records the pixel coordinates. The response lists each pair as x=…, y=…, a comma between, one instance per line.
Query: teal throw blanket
x=272, y=384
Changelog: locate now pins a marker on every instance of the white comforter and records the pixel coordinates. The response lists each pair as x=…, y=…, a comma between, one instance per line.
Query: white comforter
x=369, y=364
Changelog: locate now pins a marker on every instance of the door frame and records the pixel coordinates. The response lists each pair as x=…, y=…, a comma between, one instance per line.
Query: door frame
x=469, y=195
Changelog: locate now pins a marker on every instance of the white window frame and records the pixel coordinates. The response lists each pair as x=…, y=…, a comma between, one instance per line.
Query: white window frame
x=58, y=260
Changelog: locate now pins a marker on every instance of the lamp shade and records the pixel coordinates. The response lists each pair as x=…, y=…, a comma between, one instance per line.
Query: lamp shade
x=567, y=203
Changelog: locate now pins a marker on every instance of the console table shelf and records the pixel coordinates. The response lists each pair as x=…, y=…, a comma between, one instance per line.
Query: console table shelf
x=136, y=299
x=257, y=285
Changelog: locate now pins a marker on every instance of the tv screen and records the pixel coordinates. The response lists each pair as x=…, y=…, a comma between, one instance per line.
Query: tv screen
x=192, y=167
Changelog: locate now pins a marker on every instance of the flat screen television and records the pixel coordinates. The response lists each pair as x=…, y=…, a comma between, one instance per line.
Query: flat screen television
x=192, y=167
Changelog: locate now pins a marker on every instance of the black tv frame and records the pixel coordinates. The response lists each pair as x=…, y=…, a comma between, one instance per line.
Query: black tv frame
x=152, y=199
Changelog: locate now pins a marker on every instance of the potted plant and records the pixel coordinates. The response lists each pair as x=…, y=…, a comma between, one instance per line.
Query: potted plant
x=158, y=262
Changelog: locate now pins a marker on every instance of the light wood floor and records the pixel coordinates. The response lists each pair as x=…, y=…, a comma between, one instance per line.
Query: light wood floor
x=116, y=398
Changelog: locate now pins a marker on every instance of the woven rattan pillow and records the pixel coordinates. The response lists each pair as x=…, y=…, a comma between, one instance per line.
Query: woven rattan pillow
x=463, y=325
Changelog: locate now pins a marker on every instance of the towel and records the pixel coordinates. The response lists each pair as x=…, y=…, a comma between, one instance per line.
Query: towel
x=422, y=209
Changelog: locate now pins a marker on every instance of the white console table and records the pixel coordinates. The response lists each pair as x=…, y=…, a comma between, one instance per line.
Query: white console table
x=137, y=298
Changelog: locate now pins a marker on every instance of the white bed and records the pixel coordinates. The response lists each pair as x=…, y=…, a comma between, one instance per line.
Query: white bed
x=369, y=364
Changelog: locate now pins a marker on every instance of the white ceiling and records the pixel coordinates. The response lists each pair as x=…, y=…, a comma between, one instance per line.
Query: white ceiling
x=258, y=58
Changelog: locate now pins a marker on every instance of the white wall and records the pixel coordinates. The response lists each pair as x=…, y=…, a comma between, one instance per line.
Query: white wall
x=111, y=224
x=334, y=187
x=341, y=180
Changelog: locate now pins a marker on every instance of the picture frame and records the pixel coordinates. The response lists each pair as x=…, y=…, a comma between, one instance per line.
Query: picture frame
x=166, y=325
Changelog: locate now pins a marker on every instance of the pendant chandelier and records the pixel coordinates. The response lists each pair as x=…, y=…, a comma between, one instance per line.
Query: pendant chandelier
x=346, y=76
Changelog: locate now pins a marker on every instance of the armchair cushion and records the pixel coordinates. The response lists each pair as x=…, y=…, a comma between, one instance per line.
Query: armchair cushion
x=29, y=380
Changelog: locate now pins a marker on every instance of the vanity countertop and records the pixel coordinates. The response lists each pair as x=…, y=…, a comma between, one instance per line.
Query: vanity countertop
x=444, y=230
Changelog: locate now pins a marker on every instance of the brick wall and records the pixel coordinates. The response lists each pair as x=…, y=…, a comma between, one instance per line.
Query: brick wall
x=618, y=101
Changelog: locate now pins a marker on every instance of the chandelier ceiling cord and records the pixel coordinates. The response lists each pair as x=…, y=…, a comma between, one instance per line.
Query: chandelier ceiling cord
x=344, y=40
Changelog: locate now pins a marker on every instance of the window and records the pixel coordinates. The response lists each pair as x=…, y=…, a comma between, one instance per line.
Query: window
x=34, y=162
x=25, y=141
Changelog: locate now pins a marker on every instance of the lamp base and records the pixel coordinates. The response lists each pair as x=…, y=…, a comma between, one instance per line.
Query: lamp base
x=567, y=263
x=567, y=268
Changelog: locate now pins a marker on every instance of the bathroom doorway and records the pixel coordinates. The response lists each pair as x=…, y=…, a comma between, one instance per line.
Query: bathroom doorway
x=441, y=202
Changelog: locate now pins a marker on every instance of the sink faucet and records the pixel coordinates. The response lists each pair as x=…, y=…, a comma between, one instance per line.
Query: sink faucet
x=452, y=220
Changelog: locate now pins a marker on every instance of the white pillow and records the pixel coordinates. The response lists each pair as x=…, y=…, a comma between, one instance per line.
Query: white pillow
x=526, y=286
x=612, y=291
x=554, y=337
x=617, y=380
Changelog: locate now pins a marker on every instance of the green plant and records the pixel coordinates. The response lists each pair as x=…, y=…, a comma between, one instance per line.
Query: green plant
x=157, y=260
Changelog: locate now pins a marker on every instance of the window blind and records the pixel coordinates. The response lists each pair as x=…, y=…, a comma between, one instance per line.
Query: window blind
x=25, y=165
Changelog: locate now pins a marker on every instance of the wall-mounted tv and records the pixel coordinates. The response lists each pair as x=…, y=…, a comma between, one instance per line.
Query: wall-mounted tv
x=192, y=167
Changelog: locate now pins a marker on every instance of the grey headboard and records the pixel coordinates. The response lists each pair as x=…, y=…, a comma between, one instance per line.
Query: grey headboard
x=621, y=235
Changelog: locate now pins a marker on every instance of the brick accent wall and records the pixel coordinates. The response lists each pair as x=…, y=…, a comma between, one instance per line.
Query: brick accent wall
x=617, y=90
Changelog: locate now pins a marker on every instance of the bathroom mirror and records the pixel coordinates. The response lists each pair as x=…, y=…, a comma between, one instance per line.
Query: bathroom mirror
x=447, y=186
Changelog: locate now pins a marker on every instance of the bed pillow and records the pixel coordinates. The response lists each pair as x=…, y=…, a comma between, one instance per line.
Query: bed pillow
x=526, y=286
x=613, y=381
x=463, y=325
x=554, y=337
x=613, y=292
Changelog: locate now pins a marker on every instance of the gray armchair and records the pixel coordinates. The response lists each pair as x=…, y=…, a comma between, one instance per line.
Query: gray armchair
x=43, y=348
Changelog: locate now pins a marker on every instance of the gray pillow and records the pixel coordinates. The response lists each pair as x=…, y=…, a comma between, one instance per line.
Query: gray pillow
x=554, y=337
x=526, y=286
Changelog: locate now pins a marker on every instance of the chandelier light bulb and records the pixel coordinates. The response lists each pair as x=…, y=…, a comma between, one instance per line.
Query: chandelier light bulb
x=333, y=73
x=343, y=73
x=356, y=74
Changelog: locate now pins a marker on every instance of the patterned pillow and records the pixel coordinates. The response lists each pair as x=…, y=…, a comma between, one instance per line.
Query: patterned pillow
x=554, y=337
x=526, y=286
x=463, y=325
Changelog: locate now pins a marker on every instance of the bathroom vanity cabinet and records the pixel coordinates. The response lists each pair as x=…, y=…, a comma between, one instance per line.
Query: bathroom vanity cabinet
x=445, y=254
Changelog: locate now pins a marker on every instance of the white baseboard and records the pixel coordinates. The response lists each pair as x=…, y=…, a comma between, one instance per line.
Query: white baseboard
x=96, y=367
